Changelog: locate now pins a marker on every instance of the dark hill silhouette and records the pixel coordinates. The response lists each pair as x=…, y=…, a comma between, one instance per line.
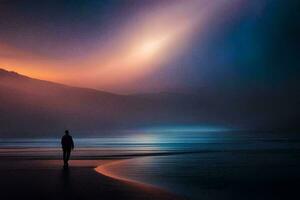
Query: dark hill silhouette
x=31, y=107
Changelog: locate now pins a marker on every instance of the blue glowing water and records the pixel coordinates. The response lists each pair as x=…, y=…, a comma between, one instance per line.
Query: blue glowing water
x=216, y=163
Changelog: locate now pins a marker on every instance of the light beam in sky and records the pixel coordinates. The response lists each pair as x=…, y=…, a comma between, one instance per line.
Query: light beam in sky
x=148, y=41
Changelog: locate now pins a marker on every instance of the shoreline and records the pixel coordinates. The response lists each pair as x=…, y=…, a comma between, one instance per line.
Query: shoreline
x=217, y=176
x=105, y=170
x=46, y=179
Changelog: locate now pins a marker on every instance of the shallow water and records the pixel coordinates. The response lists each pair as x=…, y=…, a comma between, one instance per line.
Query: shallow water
x=215, y=165
x=207, y=175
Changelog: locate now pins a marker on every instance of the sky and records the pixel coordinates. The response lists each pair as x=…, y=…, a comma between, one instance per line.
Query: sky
x=130, y=46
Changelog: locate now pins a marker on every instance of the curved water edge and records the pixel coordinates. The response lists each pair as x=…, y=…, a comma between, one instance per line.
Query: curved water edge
x=206, y=173
x=106, y=170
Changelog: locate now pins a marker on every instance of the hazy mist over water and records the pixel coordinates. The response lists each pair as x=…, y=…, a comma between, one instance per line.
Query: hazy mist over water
x=173, y=94
x=178, y=140
x=169, y=139
x=193, y=163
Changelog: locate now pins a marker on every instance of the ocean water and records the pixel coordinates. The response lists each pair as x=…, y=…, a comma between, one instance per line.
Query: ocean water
x=194, y=164
x=218, y=175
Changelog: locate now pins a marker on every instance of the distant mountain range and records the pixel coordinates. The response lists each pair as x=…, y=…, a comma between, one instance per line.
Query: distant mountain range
x=37, y=108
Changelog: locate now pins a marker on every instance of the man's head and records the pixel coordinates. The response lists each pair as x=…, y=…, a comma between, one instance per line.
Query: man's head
x=67, y=132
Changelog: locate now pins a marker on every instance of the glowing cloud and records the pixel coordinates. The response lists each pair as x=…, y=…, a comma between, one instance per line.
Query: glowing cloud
x=147, y=42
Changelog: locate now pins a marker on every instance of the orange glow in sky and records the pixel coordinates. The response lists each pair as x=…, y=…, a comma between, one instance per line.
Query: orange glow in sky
x=138, y=48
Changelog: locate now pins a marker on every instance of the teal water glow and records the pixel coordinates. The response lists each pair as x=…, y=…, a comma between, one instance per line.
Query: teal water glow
x=214, y=164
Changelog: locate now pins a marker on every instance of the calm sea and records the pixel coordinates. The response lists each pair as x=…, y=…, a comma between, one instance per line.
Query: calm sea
x=194, y=164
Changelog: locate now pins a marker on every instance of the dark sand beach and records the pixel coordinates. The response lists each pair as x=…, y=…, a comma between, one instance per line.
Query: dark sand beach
x=107, y=178
x=46, y=179
x=236, y=170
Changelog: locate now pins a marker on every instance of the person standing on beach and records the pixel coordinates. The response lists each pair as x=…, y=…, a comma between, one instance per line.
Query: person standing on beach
x=67, y=146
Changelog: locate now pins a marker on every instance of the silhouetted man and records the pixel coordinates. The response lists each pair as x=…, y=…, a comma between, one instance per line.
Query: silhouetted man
x=67, y=145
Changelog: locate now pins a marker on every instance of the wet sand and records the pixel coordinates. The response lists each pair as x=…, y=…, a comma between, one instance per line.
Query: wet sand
x=46, y=179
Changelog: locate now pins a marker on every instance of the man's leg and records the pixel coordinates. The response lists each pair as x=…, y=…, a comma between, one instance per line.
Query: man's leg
x=68, y=155
x=65, y=155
